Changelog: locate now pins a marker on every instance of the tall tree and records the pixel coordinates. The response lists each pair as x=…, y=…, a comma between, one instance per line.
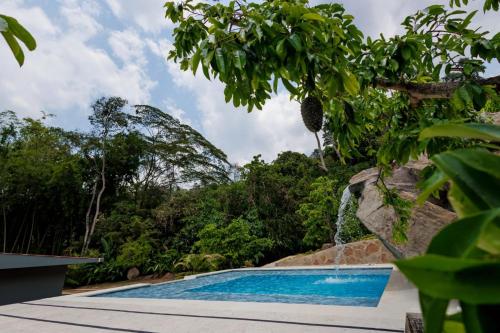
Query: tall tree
x=107, y=119
x=176, y=154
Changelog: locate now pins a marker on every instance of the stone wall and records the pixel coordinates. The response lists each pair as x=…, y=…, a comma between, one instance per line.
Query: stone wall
x=370, y=251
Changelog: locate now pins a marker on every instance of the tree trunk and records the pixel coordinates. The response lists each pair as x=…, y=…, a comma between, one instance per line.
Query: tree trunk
x=31, y=231
x=98, y=200
x=19, y=232
x=323, y=166
x=335, y=147
x=87, y=216
x=4, y=228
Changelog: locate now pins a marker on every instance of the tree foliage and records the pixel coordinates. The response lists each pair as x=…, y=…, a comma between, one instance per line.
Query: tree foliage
x=384, y=92
x=13, y=33
x=255, y=48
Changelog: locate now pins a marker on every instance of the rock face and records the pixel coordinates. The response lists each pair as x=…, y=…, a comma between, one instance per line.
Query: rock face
x=370, y=251
x=133, y=273
x=425, y=221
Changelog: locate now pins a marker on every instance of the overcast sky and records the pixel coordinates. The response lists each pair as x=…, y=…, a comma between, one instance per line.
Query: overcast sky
x=90, y=48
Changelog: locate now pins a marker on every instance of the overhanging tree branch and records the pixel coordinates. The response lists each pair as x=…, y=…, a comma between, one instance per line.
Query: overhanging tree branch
x=434, y=90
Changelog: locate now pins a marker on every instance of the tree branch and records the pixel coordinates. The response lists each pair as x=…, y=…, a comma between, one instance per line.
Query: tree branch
x=441, y=90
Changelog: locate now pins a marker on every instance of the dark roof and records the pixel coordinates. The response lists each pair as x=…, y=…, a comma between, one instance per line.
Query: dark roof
x=13, y=260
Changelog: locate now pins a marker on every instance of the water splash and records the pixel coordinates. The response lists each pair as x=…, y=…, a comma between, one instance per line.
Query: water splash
x=344, y=202
x=341, y=280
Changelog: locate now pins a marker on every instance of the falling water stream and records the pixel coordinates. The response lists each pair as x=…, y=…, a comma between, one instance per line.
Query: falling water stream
x=344, y=202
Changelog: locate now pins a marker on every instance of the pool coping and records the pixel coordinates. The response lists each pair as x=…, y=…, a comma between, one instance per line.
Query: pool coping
x=228, y=316
x=195, y=276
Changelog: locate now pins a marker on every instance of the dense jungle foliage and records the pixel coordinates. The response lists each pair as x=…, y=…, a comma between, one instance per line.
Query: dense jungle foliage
x=171, y=201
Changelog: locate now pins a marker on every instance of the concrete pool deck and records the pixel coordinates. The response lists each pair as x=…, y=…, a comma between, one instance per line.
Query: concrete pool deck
x=76, y=313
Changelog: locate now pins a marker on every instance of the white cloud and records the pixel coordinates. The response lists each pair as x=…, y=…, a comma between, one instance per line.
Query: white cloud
x=147, y=14
x=176, y=112
x=80, y=17
x=66, y=72
x=128, y=46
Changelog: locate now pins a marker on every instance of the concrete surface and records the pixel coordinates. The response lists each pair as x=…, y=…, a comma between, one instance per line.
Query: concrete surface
x=76, y=313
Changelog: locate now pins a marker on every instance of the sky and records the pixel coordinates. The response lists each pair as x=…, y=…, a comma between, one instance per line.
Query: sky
x=93, y=48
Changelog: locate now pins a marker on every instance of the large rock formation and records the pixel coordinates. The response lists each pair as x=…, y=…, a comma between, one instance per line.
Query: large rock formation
x=370, y=251
x=425, y=221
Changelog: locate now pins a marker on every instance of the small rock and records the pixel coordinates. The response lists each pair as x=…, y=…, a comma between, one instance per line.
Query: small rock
x=326, y=246
x=133, y=273
x=168, y=276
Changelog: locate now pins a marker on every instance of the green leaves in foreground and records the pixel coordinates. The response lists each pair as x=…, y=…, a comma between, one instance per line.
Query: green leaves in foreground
x=463, y=259
x=487, y=132
x=12, y=31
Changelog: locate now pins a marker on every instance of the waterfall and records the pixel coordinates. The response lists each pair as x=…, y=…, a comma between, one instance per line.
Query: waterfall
x=344, y=202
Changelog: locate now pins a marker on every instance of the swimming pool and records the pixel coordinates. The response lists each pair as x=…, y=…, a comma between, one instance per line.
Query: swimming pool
x=355, y=287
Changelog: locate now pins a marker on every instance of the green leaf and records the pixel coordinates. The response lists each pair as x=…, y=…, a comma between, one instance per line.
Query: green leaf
x=435, y=9
x=296, y=42
x=406, y=52
x=480, y=318
x=313, y=16
x=456, y=100
x=350, y=82
x=219, y=59
x=464, y=95
x=487, y=132
x=255, y=81
x=433, y=312
x=240, y=59
x=470, y=280
x=195, y=60
x=432, y=184
x=460, y=239
x=475, y=172
x=280, y=49
x=489, y=241
x=14, y=47
x=289, y=86
x=20, y=32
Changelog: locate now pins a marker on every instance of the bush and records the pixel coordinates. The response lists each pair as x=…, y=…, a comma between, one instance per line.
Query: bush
x=352, y=229
x=198, y=263
x=135, y=253
x=162, y=262
x=319, y=212
x=235, y=242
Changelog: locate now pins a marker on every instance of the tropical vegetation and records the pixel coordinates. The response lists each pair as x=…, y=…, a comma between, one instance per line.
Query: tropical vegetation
x=141, y=189
x=144, y=190
x=421, y=92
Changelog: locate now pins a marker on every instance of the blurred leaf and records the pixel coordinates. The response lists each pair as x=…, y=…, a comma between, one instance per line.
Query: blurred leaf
x=475, y=172
x=488, y=132
x=474, y=281
x=313, y=16
x=460, y=238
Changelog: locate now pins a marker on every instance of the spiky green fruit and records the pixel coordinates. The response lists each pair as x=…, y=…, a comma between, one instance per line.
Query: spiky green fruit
x=312, y=113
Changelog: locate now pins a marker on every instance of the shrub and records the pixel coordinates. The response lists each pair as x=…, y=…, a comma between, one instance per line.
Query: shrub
x=235, y=242
x=197, y=263
x=135, y=253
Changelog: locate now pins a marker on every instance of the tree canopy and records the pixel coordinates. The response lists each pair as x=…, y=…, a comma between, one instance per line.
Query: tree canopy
x=421, y=92
x=255, y=48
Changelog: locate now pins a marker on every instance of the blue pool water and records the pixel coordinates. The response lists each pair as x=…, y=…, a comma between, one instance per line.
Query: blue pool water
x=359, y=287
